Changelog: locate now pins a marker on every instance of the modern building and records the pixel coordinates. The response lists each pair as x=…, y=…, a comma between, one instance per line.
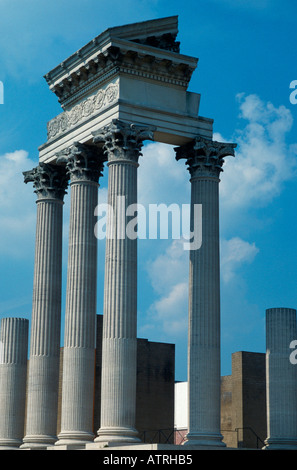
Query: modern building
x=243, y=403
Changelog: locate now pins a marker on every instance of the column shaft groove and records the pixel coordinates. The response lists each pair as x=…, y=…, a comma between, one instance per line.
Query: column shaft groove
x=122, y=144
x=281, y=379
x=13, y=372
x=50, y=183
x=204, y=159
x=84, y=165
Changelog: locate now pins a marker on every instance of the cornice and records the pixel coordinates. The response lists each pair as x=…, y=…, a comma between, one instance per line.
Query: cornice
x=132, y=32
x=108, y=55
x=116, y=60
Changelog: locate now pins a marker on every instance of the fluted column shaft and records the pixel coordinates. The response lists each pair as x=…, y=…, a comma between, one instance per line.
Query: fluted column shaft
x=119, y=345
x=13, y=372
x=204, y=317
x=281, y=379
x=84, y=166
x=205, y=160
x=50, y=183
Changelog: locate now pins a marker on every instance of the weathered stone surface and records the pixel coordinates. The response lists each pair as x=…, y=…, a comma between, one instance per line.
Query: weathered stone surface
x=204, y=159
x=50, y=184
x=122, y=144
x=13, y=372
x=134, y=73
x=281, y=379
x=84, y=165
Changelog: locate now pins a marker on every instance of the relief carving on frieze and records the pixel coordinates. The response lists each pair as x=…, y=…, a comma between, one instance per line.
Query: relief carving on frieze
x=90, y=106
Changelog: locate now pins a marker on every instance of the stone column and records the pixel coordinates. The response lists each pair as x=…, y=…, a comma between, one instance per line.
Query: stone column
x=84, y=164
x=122, y=143
x=50, y=183
x=204, y=159
x=281, y=379
x=13, y=374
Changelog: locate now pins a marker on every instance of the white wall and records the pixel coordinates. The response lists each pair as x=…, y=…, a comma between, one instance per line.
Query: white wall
x=180, y=405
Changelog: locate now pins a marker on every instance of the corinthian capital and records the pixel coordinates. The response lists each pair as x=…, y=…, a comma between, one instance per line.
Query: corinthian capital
x=49, y=181
x=205, y=157
x=123, y=141
x=83, y=162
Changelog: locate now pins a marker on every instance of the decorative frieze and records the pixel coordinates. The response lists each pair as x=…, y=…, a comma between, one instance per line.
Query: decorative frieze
x=81, y=111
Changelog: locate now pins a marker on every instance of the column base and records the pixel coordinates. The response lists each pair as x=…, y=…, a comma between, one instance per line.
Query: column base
x=10, y=444
x=9, y=448
x=211, y=441
x=74, y=439
x=119, y=435
x=38, y=442
x=282, y=443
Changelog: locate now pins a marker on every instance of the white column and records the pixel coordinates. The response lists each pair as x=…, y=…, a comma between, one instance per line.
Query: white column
x=281, y=379
x=122, y=143
x=13, y=374
x=204, y=159
x=84, y=164
x=50, y=183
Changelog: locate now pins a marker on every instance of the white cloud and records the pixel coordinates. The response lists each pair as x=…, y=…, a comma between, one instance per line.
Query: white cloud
x=170, y=311
x=169, y=268
x=161, y=179
x=168, y=275
x=264, y=161
x=234, y=253
x=17, y=205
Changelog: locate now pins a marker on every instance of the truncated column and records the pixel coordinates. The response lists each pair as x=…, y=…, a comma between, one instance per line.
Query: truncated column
x=281, y=379
x=84, y=164
x=204, y=159
x=122, y=143
x=13, y=372
x=50, y=183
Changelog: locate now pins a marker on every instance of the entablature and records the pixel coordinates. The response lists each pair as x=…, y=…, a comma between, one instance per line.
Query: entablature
x=153, y=54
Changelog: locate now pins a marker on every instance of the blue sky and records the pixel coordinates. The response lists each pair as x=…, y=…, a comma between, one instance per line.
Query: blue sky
x=247, y=60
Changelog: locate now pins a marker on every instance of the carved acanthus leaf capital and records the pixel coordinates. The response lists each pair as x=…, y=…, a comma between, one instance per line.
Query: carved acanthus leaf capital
x=83, y=162
x=49, y=181
x=122, y=141
x=205, y=157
